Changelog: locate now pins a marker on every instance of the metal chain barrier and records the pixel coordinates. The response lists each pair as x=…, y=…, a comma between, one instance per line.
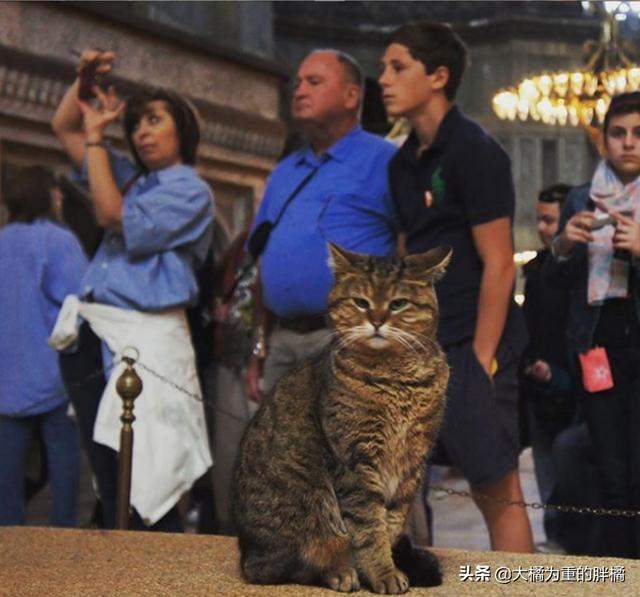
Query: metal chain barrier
x=537, y=505
x=595, y=511
x=447, y=490
x=173, y=384
x=212, y=408
x=105, y=370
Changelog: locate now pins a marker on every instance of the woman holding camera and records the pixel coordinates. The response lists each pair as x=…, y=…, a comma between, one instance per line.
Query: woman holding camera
x=157, y=215
x=597, y=253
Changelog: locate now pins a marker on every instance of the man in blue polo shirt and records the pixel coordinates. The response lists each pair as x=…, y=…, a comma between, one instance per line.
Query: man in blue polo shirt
x=345, y=200
x=451, y=183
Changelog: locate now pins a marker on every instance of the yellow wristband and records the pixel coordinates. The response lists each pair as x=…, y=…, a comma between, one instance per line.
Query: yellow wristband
x=493, y=368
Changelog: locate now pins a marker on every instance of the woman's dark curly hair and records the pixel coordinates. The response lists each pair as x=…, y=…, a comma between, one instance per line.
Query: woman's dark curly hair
x=183, y=114
x=29, y=194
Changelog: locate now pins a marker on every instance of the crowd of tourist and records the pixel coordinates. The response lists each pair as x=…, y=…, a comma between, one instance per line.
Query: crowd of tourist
x=559, y=374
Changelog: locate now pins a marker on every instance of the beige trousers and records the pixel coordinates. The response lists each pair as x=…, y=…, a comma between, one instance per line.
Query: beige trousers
x=286, y=349
x=232, y=412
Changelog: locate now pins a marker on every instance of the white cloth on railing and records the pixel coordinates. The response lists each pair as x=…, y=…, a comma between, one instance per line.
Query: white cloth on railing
x=171, y=448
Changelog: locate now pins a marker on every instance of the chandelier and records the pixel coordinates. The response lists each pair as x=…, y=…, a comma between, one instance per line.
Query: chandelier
x=581, y=96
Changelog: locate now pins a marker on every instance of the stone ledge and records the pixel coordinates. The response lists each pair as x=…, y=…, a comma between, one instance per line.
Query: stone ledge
x=29, y=93
x=42, y=561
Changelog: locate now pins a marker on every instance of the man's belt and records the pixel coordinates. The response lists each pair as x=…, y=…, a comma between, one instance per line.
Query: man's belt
x=304, y=324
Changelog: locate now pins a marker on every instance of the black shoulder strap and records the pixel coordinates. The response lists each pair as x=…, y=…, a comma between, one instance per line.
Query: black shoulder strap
x=303, y=183
x=260, y=236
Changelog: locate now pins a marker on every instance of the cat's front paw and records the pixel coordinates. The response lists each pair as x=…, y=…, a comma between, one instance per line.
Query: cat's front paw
x=344, y=580
x=393, y=583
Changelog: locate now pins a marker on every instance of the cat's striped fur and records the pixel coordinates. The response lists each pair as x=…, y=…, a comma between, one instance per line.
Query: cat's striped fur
x=330, y=463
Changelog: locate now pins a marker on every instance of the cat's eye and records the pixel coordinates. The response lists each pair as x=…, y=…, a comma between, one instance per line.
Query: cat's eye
x=397, y=304
x=361, y=303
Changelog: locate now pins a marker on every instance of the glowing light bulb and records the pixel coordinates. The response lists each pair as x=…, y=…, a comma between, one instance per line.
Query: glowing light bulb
x=611, y=7
x=590, y=84
x=561, y=83
x=505, y=105
x=609, y=82
x=574, y=118
x=533, y=110
x=527, y=90
x=601, y=109
x=545, y=109
x=633, y=78
x=545, y=83
x=561, y=114
x=523, y=109
x=577, y=80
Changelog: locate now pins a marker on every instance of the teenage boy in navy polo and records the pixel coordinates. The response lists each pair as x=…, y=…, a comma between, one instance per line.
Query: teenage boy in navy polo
x=346, y=201
x=452, y=185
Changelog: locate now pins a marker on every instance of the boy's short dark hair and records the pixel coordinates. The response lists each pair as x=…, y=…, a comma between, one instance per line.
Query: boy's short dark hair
x=29, y=194
x=435, y=44
x=556, y=193
x=624, y=103
x=183, y=114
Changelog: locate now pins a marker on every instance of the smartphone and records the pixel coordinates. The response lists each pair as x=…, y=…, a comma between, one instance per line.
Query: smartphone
x=602, y=222
x=88, y=80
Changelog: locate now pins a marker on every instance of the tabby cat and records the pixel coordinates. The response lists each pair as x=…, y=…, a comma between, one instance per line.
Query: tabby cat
x=329, y=465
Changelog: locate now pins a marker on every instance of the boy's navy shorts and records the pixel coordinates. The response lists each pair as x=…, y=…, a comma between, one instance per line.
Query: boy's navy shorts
x=480, y=431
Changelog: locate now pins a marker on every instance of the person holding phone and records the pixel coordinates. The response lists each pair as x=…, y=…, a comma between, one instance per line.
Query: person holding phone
x=600, y=264
x=157, y=214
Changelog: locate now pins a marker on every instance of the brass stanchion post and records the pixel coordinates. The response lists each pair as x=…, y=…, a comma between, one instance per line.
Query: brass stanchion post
x=128, y=386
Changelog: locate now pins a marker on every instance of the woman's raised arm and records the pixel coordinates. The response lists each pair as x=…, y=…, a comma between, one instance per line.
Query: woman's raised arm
x=67, y=121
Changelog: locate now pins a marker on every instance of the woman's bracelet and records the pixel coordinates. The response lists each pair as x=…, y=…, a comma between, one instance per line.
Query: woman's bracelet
x=260, y=343
x=95, y=144
x=259, y=349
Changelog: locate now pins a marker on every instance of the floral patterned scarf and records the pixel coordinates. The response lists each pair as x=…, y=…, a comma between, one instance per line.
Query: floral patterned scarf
x=608, y=275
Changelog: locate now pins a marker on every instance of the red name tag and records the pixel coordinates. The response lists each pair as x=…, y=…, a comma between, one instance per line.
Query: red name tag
x=596, y=373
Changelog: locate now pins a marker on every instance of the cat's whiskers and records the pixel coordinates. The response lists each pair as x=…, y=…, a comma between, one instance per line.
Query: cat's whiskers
x=429, y=341
x=426, y=338
x=400, y=340
x=395, y=336
x=351, y=336
x=407, y=339
x=345, y=342
x=391, y=333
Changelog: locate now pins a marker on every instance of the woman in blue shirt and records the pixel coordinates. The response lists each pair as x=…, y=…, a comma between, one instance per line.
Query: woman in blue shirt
x=157, y=214
x=40, y=263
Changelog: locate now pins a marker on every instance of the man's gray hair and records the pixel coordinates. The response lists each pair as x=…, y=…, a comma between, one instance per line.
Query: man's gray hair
x=352, y=69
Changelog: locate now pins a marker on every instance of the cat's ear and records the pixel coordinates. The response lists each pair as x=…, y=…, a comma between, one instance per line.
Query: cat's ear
x=429, y=266
x=341, y=260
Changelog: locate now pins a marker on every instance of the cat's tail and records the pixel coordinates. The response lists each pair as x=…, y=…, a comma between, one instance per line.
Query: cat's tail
x=420, y=565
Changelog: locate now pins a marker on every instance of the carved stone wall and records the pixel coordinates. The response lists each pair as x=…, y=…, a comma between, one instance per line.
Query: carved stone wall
x=237, y=96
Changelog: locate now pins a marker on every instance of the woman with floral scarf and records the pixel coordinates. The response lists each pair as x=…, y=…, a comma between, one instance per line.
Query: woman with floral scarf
x=597, y=253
